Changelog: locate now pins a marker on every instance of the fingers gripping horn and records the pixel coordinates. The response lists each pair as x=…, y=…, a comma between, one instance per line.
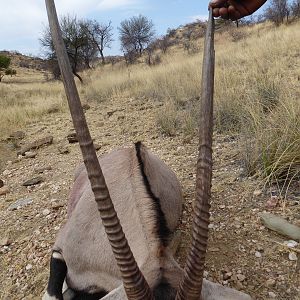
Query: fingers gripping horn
x=134, y=282
x=191, y=285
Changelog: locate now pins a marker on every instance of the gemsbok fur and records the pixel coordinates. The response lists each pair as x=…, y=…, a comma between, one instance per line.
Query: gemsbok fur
x=129, y=255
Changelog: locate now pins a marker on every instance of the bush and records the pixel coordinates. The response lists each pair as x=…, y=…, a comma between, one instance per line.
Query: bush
x=167, y=120
x=271, y=145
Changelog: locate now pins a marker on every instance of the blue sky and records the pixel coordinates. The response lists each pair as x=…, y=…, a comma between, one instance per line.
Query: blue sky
x=22, y=22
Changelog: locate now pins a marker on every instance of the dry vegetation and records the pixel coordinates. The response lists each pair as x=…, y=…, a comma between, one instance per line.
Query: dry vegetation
x=257, y=93
x=257, y=104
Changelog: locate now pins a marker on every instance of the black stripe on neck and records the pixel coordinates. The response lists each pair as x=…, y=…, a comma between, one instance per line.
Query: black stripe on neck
x=163, y=231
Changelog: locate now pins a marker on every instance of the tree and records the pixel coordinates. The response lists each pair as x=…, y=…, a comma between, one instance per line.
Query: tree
x=4, y=67
x=295, y=8
x=136, y=34
x=84, y=39
x=101, y=35
x=277, y=11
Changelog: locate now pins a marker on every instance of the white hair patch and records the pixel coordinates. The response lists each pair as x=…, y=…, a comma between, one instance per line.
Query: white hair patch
x=57, y=255
x=48, y=297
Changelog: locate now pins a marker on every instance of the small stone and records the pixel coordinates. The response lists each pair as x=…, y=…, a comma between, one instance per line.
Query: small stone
x=6, y=172
x=19, y=204
x=257, y=193
x=258, y=254
x=222, y=206
x=56, y=205
x=28, y=267
x=291, y=244
x=5, y=241
x=63, y=149
x=270, y=282
x=30, y=154
x=86, y=107
x=1, y=183
x=42, y=170
x=293, y=256
x=97, y=147
x=33, y=181
x=211, y=226
x=214, y=249
x=36, y=145
x=272, y=295
x=239, y=285
x=72, y=137
x=240, y=277
x=4, y=190
x=227, y=276
x=46, y=212
x=18, y=135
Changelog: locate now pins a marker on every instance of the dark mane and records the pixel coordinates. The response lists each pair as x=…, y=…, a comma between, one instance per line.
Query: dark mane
x=161, y=223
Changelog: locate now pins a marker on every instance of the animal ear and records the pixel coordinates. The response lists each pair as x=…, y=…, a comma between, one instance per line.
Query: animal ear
x=190, y=287
x=134, y=282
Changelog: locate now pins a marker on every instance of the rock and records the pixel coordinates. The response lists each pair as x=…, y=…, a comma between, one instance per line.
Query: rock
x=4, y=190
x=63, y=149
x=30, y=154
x=257, y=193
x=270, y=282
x=48, y=140
x=72, y=138
x=33, y=181
x=5, y=241
x=214, y=249
x=1, y=183
x=85, y=107
x=272, y=295
x=240, y=277
x=6, y=173
x=17, y=135
x=293, y=256
x=56, y=205
x=28, y=267
x=19, y=204
x=258, y=254
x=291, y=244
x=97, y=147
x=280, y=225
x=43, y=169
x=46, y=212
x=227, y=275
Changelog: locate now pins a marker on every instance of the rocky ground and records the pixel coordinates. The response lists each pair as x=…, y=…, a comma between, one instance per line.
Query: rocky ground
x=242, y=253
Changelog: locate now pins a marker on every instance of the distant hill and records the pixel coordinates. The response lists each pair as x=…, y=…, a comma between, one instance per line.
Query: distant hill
x=19, y=60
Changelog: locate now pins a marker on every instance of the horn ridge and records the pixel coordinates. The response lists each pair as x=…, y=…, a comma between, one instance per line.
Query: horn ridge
x=134, y=282
x=191, y=285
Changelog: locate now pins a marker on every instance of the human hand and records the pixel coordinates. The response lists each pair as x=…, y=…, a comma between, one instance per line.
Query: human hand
x=235, y=9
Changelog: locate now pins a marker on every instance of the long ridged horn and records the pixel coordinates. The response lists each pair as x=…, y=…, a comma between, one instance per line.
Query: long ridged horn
x=191, y=285
x=134, y=282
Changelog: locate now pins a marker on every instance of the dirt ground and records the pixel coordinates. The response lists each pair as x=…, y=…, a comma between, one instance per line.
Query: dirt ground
x=242, y=253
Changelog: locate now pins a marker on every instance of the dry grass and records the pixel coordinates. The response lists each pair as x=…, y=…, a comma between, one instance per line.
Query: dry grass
x=28, y=102
x=257, y=75
x=255, y=92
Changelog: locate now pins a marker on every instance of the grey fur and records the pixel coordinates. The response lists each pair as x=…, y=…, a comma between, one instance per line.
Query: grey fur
x=83, y=242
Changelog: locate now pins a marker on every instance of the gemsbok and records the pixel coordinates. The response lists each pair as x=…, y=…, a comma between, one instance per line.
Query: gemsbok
x=131, y=186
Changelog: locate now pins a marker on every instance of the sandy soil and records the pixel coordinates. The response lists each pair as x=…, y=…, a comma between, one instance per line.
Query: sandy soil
x=242, y=253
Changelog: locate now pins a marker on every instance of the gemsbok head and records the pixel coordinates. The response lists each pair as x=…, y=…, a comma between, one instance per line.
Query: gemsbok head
x=131, y=186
